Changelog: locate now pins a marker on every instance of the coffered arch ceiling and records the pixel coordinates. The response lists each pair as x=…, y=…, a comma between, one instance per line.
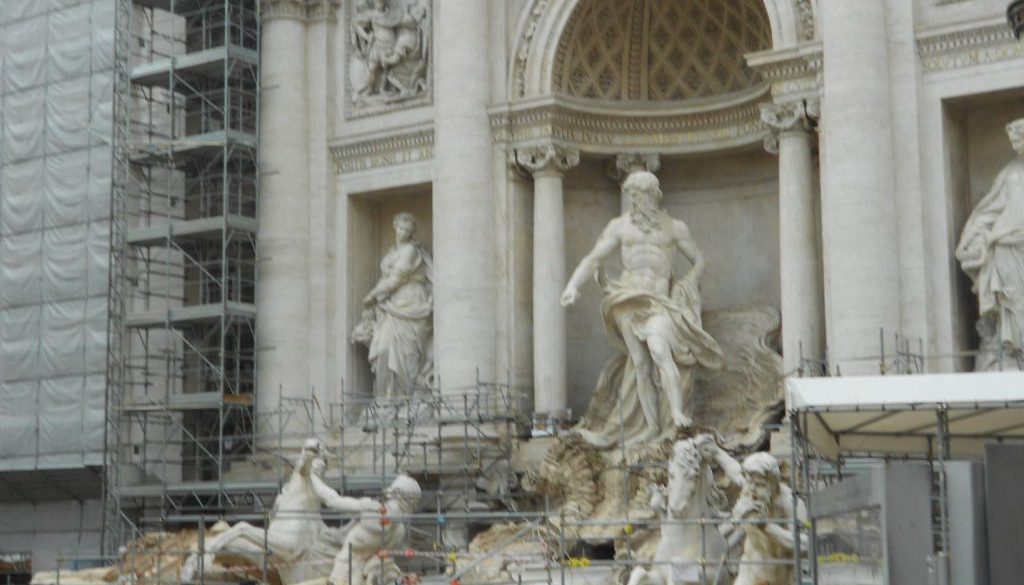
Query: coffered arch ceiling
x=660, y=50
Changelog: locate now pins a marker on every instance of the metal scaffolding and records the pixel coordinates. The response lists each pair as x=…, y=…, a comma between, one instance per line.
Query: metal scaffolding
x=182, y=352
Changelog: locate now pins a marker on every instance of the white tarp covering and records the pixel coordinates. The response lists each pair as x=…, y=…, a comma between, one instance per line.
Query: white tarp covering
x=880, y=415
x=55, y=161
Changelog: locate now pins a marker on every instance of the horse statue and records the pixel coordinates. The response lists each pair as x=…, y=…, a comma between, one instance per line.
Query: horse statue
x=297, y=543
x=691, y=496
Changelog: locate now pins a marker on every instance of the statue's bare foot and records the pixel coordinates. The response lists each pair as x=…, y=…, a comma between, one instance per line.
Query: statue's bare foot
x=681, y=420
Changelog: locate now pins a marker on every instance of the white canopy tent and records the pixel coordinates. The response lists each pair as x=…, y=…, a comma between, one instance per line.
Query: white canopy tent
x=878, y=416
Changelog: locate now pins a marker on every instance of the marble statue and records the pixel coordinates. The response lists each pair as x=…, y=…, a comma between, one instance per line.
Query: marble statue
x=691, y=495
x=362, y=559
x=765, y=497
x=391, y=42
x=397, y=325
x=301, y=546
x=653, y=317
x=991, y=252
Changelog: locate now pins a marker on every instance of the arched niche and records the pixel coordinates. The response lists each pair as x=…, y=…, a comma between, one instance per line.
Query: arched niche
x=542, y=27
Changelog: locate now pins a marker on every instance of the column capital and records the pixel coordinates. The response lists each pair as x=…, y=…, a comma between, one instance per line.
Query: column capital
x=628, y=163
x=547, y=159
x=298, y=9
x=798, y=116
x=322, y=10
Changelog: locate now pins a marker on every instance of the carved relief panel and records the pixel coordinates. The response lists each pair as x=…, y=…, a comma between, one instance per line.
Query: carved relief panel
x=390, y=60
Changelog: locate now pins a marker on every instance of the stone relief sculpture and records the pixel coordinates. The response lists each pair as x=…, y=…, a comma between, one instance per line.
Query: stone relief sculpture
x=397, y=323
x=390, y=42
x=991, y=252
x=653, y=317
x=765, y=497
x=359, y=562
x=300, y=543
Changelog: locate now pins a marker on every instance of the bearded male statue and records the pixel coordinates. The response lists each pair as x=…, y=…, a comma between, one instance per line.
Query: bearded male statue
x=653, y=317
x=991, y=252
x=764, y=498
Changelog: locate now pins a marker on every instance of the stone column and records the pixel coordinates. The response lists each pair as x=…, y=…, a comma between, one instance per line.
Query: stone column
x=548, y=164
x=465, y=274
x=283, y=285
x=858, y=201
x=800, y=272
x=628, y=163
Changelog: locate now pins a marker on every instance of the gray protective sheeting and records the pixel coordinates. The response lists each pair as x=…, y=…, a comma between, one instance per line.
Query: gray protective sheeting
x=55, y=163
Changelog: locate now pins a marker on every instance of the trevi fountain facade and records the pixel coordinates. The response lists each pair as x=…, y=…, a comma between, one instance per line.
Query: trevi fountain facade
x=637, y=219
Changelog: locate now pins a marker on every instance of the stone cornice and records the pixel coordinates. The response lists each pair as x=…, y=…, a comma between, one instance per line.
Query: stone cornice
x=383, y=149
x=968, y=45
x=794, y=73
x=554, y=120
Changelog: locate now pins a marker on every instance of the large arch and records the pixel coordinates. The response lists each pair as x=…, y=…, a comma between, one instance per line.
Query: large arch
x=544, y=22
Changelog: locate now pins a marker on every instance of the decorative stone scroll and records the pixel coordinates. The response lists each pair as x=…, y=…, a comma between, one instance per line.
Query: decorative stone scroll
x=389, y=53
x=547, y=159
x=787, y=117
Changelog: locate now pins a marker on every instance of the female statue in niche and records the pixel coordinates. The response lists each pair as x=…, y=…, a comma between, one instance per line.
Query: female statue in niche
x=991, y=252
x=397, y=324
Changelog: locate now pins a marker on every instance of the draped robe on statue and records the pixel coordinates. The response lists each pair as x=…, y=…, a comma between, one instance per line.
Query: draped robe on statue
x=615, y=411
x=401, y=346
x=991, y=252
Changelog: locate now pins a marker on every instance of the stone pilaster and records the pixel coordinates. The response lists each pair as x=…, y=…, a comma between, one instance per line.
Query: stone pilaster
x=548, y=164
x=802, y=297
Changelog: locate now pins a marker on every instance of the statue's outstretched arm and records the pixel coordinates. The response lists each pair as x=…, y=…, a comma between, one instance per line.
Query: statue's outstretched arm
x=336, y=501
x=732, y=468
x=606, y=244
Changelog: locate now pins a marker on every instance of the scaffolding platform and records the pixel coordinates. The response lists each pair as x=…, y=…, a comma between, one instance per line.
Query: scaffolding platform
x=191, y=401
x=189, y=149
x=191, y=315
x=204, y=229
x=208, y=64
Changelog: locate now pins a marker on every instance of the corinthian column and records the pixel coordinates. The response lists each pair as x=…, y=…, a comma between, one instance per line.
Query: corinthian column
x=548, y=164
x=802, y=295
x=283, y=286
x=465, y=275
x=858, y=200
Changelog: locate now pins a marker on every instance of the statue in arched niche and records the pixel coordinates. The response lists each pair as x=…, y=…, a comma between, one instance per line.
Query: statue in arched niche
x=991, y=252
x=397, y=322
